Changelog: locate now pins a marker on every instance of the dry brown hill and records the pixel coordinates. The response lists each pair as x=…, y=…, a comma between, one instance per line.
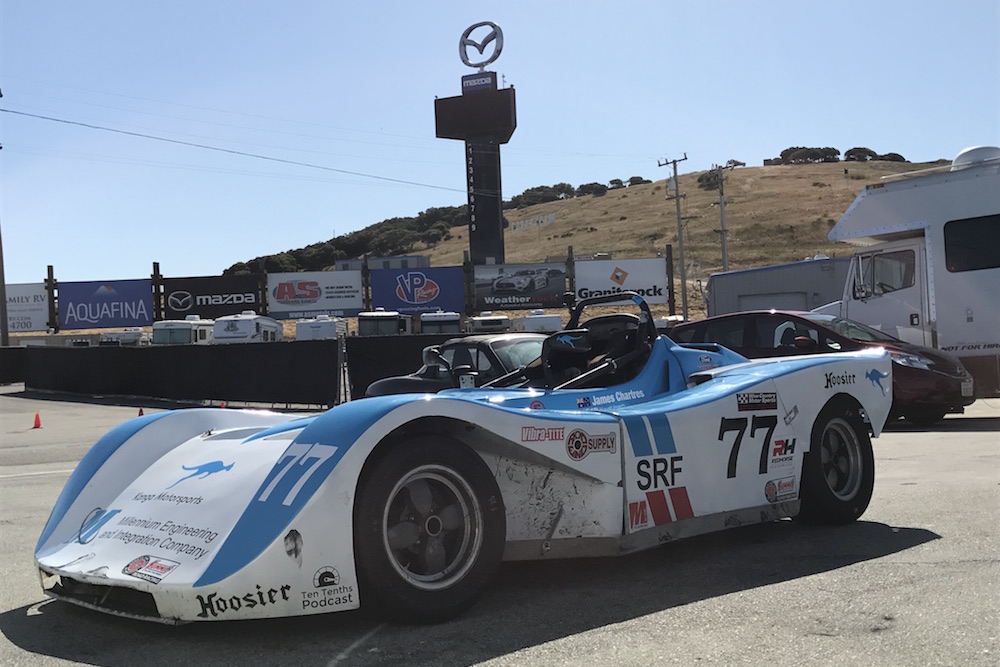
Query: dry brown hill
x=774, y=215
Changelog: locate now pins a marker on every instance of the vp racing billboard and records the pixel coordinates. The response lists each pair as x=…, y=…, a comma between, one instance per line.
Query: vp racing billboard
x=102, y=305
x=648, y=277
x=209, y=297
x=311, y=293
x=517, y=286
x=426, y=290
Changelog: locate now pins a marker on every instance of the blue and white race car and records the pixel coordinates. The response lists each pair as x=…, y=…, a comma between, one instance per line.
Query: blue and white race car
x=615, y=440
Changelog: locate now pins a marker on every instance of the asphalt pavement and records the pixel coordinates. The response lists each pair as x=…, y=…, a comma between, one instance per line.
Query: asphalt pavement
x=915, y=582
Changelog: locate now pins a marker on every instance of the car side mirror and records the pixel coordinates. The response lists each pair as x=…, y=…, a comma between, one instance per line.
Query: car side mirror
x=466, y=376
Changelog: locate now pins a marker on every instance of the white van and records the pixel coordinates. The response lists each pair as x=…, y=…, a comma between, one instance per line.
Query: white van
x=247, y=327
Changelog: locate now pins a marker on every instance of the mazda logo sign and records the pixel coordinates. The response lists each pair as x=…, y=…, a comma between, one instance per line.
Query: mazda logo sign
x=180, y=301
x=494, y=36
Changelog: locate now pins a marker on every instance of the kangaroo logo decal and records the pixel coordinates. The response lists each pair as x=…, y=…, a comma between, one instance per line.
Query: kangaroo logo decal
x=203, y=471
x=876, y=377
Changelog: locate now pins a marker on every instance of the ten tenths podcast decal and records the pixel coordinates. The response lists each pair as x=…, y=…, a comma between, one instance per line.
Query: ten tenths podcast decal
x=418, y=290
x=101, y=305
x=311, y=293
x=598, y=277
x=515, y=286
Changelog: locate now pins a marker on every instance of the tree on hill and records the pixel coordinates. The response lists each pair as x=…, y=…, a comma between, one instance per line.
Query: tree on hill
x=596, y=189
x=615, y=183
x=637, y=180
x=859, y=154
x=803, y=155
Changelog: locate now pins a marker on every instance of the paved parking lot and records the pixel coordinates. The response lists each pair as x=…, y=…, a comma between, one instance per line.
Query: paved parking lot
x=915, y=582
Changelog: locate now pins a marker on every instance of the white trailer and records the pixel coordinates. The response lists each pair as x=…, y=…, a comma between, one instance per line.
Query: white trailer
x=382, y=322
x=321, y=327
x=440, y=322
x=127, y=337
x=928, y=271
x=247, y=327
x=192, y=330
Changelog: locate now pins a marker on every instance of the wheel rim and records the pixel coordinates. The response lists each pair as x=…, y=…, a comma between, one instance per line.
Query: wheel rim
x=432, y=527
x=840, y=459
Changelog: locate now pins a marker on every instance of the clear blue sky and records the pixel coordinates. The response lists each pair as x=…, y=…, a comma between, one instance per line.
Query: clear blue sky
x=604, y=90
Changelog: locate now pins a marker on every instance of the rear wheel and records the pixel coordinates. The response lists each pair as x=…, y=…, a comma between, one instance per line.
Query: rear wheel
x=429, y=530
x=838, y=474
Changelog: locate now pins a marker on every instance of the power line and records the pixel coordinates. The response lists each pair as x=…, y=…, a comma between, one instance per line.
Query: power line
x=231, y=151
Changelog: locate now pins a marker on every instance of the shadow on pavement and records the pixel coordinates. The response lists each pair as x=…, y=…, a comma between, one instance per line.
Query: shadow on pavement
x=529, y=604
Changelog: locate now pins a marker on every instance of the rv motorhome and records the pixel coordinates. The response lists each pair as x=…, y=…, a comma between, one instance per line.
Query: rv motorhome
x=382, y=322
x=247, y=327
x=928, y=271
x=321, y=327
x=192, y=330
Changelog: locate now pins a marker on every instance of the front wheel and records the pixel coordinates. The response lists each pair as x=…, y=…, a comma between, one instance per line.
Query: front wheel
x=838, y=474
x=429, y=530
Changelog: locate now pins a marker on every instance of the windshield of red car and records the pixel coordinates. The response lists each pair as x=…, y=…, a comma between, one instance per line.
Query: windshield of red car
x=851, y=329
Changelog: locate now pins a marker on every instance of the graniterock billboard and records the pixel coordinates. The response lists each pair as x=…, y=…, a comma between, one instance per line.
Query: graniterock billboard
x=209, y=297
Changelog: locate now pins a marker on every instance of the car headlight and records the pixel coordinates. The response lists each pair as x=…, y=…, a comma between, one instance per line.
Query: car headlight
x=911, y=360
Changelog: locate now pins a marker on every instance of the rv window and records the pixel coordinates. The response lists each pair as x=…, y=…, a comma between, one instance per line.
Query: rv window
x=972, y=244
x=201, y=334
x=886, y=272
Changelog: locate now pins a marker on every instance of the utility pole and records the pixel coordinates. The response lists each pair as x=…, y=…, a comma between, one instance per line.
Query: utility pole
x=680, y=232
x=722, y=218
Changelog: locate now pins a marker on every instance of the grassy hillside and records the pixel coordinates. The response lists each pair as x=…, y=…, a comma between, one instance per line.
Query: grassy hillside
x=773, y=215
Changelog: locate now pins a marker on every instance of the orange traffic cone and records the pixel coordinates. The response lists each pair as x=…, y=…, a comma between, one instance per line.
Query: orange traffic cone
x=38, y=421
x=140, y=412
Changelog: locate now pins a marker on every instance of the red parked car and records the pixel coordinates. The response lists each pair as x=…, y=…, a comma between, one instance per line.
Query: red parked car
x=927, y=384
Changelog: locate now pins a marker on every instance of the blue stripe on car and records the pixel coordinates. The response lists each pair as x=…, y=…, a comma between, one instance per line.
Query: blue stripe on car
x=298, y=473
x=639, y=430
x=89, y=464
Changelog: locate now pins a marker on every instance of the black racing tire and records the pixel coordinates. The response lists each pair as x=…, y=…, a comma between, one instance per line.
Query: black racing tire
x=429, y=530
x=838, y=473
x=925, y=416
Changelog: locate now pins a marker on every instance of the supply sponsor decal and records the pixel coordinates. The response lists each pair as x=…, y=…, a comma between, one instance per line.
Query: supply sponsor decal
x=150, y=568
x=580, y=443
x=777, y=490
